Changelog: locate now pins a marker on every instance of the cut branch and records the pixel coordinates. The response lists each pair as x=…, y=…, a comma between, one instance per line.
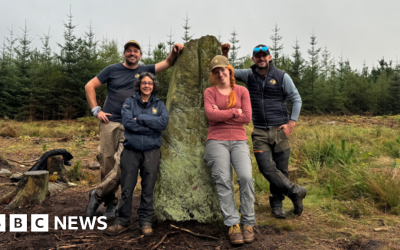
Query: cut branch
x=195, y=234
x=163, y=238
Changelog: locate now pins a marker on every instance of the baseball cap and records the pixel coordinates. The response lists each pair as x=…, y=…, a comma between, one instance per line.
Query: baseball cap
x=260, y=48
x=219, y=61
x=132, y=42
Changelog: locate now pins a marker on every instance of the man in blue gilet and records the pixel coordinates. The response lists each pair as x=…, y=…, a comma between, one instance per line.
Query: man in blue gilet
x=269, y=89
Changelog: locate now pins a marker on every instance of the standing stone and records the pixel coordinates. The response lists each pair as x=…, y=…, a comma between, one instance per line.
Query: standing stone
x=185, y=189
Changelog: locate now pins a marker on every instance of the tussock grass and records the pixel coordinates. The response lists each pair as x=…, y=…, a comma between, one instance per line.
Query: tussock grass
x=53, y=129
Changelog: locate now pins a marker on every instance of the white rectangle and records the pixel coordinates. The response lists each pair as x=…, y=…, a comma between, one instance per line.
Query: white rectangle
x=2, y=222
x=18, y=222
x=39, y=222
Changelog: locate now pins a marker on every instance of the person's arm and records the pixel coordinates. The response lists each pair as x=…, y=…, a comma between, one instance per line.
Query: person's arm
x=157, y=123
x=292, y=94
x=216, y=115
x=240, y=74
x=245, y=116
x=129, y=121
x=167, y=63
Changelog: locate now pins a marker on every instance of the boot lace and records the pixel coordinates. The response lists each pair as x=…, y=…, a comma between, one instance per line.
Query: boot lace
x=236, y=229
x=248, y=228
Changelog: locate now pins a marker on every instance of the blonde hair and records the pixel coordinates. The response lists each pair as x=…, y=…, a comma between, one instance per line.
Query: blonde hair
x=232, y=95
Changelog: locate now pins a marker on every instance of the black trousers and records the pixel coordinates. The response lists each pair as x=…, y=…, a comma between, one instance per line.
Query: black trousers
x=131, y=162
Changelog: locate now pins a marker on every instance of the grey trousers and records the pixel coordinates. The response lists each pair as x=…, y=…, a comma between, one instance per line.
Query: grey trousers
x=219, y=156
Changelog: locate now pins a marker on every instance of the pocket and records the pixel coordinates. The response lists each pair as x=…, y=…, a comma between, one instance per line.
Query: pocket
x=283, y=135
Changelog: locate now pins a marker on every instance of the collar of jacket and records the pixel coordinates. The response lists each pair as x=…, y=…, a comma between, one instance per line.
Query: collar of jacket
x=153, y=98
x=271, y=68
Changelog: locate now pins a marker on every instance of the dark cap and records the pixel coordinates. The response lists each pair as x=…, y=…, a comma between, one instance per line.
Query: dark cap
x=132, y=42
x=260, y=48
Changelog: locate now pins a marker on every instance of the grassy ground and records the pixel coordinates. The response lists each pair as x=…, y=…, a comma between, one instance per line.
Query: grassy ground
x=350, y=166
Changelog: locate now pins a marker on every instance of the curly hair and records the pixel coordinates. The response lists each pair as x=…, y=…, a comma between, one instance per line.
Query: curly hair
x=152, y=77
x=232, y=95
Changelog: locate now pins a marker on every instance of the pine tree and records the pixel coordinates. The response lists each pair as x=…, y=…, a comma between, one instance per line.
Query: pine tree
x=326, y=64
x=297, y=66
x=69, y=93
x=394, y=91
x=170, y=42
x=186, y=37
x=276, y=48
x=233, y=57
x=26, y=90
x=312, y=75
x=219, y=37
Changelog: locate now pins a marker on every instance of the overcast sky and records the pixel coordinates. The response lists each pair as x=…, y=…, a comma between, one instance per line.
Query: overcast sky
x=357, y=29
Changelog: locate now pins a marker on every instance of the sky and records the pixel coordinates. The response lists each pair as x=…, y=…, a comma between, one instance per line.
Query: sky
x=357, y=30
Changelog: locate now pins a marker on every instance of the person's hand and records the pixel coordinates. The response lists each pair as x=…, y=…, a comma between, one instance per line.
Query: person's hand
x=178, y=47
x=240, y=111
x=215, y=107
x=225, y=47
x=103, y=117
x=288, y=128
x=134, y=118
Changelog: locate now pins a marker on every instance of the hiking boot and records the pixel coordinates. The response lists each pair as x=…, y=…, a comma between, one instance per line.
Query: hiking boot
x=93, y=204
x=111, y=210
x=297, y=194
x=235, y=235
x=116, y=230
x=248, y=234
x=147, y=230
x=278, y=213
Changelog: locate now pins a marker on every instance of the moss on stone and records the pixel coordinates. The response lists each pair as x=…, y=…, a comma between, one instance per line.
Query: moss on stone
x=185, y=189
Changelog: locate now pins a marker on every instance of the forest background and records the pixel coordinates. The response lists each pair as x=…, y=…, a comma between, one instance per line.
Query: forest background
x=41, y=84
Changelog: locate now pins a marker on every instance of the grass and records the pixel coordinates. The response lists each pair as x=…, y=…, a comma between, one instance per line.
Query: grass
x=54, y=129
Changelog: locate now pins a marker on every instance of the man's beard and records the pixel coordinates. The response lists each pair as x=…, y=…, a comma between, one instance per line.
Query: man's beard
x=266, y=66
x=130, y=63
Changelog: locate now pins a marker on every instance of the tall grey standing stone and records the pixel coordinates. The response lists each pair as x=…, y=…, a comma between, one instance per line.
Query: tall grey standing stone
x=185, y=189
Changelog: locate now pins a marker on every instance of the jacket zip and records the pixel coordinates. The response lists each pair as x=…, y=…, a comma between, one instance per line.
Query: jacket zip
x=262, y=97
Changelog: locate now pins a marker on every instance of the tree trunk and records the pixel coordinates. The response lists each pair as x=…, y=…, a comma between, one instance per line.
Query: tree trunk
x=32, y=188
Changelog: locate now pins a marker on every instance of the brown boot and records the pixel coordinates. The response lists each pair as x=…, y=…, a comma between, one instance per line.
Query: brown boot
x=116, y=230
x=235, y=235
x=248, y=234
x=147, y=230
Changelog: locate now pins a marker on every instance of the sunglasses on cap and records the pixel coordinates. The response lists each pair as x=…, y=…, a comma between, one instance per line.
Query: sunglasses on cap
x=263, y=49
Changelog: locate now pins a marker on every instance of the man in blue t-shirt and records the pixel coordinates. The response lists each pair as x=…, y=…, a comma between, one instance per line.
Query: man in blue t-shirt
x=120, y=78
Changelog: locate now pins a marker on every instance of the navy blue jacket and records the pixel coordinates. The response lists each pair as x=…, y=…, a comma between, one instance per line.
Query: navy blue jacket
x=144, y=133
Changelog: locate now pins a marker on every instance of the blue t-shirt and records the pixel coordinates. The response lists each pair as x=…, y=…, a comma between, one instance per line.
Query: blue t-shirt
x=120, y=85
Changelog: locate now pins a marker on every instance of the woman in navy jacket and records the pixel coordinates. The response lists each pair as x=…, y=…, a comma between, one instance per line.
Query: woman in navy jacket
x=144, y=117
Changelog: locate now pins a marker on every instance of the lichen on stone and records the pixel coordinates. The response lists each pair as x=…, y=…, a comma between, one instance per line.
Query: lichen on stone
x=185, y=189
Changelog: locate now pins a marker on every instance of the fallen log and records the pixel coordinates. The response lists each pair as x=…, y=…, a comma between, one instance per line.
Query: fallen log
x=32, y=188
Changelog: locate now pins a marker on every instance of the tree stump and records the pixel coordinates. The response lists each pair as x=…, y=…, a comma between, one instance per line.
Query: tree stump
x=32, y=188
x=56, y=164
x=293, y=174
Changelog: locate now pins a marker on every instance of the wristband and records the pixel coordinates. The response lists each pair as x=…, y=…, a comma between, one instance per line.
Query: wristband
x=96, y=110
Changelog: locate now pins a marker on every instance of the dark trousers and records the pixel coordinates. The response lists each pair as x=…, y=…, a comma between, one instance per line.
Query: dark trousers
x=272, y=151
x=131, y=162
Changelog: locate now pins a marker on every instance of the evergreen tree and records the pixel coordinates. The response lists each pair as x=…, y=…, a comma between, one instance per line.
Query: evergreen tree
x=71, y=99
x=297, y=66
x=170, y=42
x=312, y=75
x=394, y=91
x=277, y=47
x=25, y=90
x=186, y=37
x=234, y=60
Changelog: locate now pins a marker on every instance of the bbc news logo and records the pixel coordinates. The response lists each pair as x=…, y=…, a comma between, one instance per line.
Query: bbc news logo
x=40, y=223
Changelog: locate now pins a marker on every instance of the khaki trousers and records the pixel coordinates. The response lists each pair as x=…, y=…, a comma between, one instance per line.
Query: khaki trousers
x=110, y=149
